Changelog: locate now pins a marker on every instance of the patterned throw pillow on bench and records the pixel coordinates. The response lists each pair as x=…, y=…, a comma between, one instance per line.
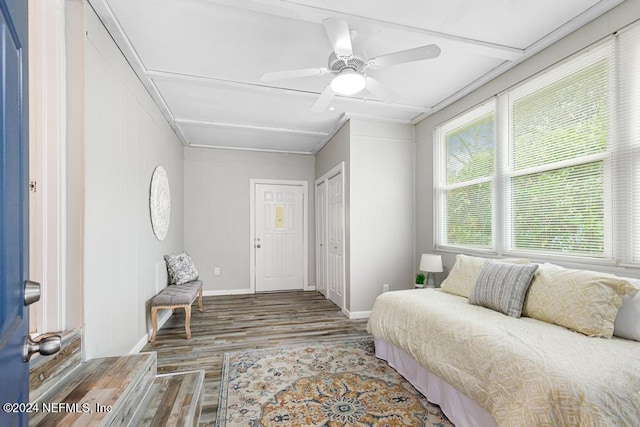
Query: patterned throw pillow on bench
x=180, y=268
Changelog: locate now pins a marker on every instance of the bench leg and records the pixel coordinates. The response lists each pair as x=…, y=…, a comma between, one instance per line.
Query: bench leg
x=200, y=300
x=187, y=320
x=154, y=320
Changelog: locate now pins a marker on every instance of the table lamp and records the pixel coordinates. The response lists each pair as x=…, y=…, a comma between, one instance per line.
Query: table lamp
x=431, y=264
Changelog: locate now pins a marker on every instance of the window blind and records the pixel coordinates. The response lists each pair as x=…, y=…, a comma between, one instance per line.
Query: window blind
x=467, y=180
x=561, y=175
x=559, y=139
x=626, y=164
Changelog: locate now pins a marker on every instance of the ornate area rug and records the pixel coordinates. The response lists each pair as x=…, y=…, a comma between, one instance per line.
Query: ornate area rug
x=329, y=384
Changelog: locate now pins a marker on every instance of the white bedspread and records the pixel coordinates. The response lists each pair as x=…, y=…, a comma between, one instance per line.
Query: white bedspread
x=524, y=372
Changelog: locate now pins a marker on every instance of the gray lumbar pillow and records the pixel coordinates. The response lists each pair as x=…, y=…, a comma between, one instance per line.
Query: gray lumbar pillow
x=503, y=287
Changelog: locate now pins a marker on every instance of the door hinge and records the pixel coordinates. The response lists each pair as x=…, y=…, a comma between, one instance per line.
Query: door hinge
x=33, y=185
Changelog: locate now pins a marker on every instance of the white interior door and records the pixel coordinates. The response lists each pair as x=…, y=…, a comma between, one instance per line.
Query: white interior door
x=279, y=237
x=335, y=240
x=321, y=237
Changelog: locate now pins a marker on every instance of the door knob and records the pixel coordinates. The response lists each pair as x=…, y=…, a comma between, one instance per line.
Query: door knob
x=46, y=345
x=258, y=246
x=31, y=292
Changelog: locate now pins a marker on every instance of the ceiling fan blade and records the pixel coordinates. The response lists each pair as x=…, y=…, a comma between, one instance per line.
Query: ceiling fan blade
x=410, y=55
x=338, y=32
x=293, y=74
x=378, y=89
x=323, y=100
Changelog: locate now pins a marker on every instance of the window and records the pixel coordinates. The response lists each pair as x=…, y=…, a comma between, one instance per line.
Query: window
x=558, y=142
x=551, y=166
x=467, y=187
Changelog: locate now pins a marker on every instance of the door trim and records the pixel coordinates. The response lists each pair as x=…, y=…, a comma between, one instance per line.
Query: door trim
x=320, y=237
x=252, y=228
x=338, y=170
x=47, y=163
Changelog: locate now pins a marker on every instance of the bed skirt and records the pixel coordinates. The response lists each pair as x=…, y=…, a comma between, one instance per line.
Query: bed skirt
x=461, y=410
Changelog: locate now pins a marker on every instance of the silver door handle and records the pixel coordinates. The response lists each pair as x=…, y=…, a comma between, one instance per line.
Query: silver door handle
x=31, y=292
x=46, y=345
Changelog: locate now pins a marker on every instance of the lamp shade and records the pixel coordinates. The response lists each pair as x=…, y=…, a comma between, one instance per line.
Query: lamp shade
x=348, y=82
x=431, y=263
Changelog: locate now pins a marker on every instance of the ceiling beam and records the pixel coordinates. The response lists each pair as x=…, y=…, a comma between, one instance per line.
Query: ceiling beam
x=237, y=126
x=116, y=31
x=260, y=150
x=295, y=10
x=579, y=21
x=271, y=89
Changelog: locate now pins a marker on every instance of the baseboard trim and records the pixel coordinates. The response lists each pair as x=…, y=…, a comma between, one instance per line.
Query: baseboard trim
x=357, y=314
x=213, y=293
x=163, y=317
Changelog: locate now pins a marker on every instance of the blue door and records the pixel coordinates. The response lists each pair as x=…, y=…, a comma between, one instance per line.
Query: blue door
x=14, y=319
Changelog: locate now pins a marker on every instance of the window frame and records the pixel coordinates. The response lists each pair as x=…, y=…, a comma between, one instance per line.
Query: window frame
x=440, y=174
x=504, y=171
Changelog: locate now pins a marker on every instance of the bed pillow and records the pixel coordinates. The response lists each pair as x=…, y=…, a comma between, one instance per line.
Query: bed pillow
x=502, y=287
x=582, y=300
x=180, y=268
x=464, y=274
x=627, y=323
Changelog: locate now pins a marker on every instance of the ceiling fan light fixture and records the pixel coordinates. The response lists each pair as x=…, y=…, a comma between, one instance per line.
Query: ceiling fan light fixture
x=348, y=82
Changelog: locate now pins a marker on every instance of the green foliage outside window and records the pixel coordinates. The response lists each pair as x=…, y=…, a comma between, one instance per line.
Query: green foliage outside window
x=560, y=210
x=470, y=155
x=557, y=207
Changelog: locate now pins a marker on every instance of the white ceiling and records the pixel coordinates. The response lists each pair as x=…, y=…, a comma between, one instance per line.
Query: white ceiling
x=202, y=60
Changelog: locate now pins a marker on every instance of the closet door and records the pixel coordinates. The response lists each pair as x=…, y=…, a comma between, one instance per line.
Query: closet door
x=335, y=240
x=321, y=237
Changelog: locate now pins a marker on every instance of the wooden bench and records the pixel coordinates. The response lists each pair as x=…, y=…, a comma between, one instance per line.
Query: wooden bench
x=174, y=297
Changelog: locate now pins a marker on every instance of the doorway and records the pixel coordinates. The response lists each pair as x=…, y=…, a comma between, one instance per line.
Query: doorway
x=279, y=235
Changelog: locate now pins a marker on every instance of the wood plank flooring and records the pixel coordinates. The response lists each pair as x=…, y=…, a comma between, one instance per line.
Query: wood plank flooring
x=110, y=387
x=172, y=400
x=239, y=322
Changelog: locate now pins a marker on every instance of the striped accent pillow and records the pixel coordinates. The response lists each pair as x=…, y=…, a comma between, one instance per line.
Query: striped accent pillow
x=503, y=287
x=465, y=272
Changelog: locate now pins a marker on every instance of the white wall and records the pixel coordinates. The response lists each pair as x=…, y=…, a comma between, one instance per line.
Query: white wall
x=334, y=151
x=126, y=137
x=627, y=12
x=381, y=210
x=379, y=207
x=216, y=226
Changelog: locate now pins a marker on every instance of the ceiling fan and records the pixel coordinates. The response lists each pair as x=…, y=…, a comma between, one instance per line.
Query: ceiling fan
x=350, y=68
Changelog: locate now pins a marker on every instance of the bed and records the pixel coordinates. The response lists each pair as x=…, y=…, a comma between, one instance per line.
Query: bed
x=486, y=368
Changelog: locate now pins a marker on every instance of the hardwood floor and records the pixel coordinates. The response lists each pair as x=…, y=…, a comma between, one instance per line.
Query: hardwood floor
x=239, y=322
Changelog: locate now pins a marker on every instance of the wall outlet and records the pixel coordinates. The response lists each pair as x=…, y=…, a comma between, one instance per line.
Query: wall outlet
x=216, y=271
x=385, y=287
